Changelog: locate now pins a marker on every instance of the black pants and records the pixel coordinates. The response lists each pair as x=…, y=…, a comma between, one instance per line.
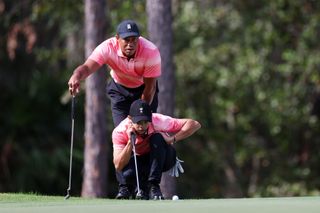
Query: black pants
x=161, y=158
x=122, y=97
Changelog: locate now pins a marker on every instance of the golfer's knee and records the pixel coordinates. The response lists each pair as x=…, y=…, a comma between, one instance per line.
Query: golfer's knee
x=157, y=140
x=128, y=173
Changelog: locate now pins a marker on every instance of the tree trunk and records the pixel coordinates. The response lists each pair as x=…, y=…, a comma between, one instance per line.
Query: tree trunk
x=160, y=32
x=232, y=173
x=95, y=153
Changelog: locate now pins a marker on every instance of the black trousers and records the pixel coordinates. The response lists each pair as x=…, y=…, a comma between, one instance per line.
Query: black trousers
x=122, y=97
x=161, y=158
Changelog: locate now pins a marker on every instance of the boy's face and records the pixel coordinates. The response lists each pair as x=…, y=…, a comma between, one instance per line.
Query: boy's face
x=141, y=127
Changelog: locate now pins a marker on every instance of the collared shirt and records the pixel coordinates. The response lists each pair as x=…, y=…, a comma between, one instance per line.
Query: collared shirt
x=145, y=63
x=160, y=123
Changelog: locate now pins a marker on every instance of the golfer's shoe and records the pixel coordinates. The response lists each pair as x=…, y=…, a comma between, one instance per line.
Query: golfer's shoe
x=124, y=193
x=155, y=192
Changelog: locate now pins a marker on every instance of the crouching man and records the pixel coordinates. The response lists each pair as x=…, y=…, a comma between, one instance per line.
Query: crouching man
x=154, y=136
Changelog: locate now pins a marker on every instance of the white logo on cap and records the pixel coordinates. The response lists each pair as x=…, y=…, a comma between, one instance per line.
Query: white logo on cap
x=141, y=110
x=129, y=26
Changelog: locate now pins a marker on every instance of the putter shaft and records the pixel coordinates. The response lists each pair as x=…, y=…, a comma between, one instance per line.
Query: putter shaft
x=133, y=141
x=71, y=147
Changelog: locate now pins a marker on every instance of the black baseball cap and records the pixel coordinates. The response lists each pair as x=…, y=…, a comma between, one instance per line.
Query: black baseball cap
x=128, y=28
x=140, y=110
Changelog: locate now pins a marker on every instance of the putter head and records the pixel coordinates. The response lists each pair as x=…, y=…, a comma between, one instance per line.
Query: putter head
x=67, y=196
x=139, y=195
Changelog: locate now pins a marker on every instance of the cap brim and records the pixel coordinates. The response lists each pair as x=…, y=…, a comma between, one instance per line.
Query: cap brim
x=129, y=34
x=136, y=119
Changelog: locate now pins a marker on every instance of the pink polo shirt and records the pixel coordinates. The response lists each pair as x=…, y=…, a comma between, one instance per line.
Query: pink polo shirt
x=146, y=62
x=160, y=123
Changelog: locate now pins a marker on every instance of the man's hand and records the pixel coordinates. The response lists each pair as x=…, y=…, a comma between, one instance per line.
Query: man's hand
x=130, y=130
x=74, y=84
x=81, y=73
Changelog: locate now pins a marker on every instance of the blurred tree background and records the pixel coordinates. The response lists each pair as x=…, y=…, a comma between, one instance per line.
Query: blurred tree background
x=247, y=70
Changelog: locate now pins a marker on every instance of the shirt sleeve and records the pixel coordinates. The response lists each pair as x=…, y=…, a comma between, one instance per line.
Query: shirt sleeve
x=164, y=123
x=153, y=64
x=119, y=139
x=101, y=53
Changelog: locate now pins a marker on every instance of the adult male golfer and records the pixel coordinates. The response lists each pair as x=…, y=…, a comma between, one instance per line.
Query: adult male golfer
x=135, y=65
x=155, y=135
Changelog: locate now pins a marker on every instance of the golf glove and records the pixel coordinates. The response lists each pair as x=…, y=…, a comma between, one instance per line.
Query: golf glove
x=174, y=171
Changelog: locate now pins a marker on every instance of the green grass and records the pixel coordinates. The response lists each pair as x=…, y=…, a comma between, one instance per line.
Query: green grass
x=53, y=204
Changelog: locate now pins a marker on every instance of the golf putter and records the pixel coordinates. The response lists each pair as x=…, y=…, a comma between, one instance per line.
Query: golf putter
x=71, y=147
x=133, y=141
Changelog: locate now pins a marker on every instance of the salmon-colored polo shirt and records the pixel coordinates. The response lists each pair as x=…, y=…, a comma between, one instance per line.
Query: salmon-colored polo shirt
x=160, y=123
x=146, y=62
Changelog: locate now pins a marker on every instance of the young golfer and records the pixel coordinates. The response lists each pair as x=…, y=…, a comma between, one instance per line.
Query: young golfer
x=155, y=136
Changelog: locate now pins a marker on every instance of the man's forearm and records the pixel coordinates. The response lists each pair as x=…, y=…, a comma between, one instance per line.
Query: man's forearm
x=190, y=127
x=148, y=94
x=82, y=72
x=122, y=160
x=149, y=89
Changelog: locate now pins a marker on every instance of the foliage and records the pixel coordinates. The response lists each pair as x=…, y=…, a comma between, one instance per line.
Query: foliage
x=253, y=70
x=35, y=125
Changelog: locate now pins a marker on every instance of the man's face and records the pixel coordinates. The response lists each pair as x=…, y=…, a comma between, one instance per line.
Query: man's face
x=141, y=127
x=128, y=45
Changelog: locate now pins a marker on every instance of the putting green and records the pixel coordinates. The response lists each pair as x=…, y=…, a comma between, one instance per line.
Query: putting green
x=18, y=203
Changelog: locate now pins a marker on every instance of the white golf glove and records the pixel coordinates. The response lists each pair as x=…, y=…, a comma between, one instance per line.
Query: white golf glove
x=174, y=171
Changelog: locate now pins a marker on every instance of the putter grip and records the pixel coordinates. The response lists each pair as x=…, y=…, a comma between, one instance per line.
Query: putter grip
x=133, y=138
x=72, y=107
